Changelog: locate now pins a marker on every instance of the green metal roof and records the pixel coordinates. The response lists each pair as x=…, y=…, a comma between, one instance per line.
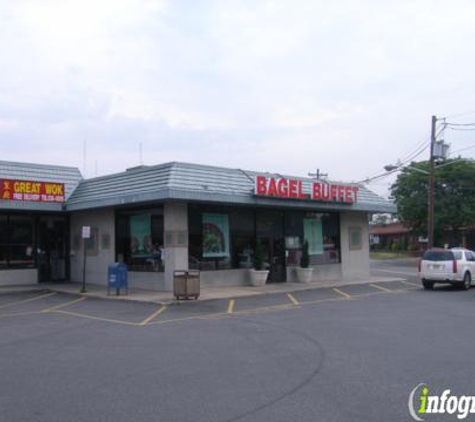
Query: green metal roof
x=193, y=182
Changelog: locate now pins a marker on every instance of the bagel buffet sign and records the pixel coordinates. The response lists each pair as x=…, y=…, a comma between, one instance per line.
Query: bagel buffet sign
x=32, y=191
x=283, y=188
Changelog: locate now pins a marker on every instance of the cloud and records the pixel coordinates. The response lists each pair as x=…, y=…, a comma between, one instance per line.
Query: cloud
x=287, y=86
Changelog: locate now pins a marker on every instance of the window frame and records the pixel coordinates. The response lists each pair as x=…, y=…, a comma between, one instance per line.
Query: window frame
x=9, y=264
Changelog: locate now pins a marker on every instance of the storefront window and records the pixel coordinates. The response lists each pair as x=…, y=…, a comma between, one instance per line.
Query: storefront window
x=243, y=227
x=320, y=230
x=220, y=237
x=17, y=241
x=4, y=243
x=139, y=237
x=225, y=237
x=215, y=235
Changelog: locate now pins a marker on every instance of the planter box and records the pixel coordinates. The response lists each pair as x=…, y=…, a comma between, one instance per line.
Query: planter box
x=258, y=278
x=304, y=275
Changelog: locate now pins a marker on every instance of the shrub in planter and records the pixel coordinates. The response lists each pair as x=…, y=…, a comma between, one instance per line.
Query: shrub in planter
x=258, y=257
x=257, y=274
x=305, y=258
x=304, y=273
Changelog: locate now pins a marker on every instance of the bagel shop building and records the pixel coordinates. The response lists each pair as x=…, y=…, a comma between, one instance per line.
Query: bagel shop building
x=179, y=216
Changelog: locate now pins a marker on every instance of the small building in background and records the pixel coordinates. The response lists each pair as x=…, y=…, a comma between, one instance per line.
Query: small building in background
x=394, y=237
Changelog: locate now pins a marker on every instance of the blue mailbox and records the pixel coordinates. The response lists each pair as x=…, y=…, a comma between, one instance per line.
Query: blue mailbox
x=117, y=277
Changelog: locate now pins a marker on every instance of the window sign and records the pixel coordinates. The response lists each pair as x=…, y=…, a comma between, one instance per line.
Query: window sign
x=86, y=232
x=356, y=238
x=140, y=235
x=313, y=234
x=215, y=236
x=92, y=242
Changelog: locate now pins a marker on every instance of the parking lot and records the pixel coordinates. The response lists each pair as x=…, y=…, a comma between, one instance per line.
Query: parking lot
x=134, y=314
x=332, y=354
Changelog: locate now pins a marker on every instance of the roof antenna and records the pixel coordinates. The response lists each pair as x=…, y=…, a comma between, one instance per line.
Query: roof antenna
x=318, y=175
x=140, y=154
x=84, y=158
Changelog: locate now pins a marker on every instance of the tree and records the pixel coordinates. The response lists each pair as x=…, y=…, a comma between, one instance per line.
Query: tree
x=380, y=219
x=454, y=198
x=305, y=259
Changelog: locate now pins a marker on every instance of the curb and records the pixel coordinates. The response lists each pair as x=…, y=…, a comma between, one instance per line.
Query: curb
x=173, y=302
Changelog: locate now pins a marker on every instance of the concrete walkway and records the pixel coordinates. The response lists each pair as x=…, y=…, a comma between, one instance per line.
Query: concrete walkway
x=207, y=293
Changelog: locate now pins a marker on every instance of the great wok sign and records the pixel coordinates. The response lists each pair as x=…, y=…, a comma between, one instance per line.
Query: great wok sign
x=32, y=191
x=283, y=188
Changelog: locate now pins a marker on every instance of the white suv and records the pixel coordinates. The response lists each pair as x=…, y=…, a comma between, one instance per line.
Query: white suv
x=453, y=266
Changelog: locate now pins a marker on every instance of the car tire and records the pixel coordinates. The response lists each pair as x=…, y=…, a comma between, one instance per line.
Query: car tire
x=428, y=285
x=467, y=281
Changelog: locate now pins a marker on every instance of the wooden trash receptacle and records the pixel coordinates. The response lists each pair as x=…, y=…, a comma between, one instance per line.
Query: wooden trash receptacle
x=186, y=284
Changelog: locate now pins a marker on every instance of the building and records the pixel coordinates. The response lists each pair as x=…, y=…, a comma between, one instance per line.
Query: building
x=178, y=216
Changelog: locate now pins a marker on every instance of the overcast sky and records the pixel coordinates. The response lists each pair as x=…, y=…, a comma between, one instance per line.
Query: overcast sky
x=282, y=86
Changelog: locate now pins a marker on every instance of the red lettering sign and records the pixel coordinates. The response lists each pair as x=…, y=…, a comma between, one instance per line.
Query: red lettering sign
x=294, y=189
x=31, y=191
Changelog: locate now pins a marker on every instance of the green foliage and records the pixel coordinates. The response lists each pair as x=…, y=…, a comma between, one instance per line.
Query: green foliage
x=258, y=257
x=305, y=259
x=395, y=247
x=454, y=197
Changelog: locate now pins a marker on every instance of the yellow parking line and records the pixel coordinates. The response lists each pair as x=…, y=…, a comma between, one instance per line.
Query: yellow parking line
x=345, y=295
x=78, y=314
x=71, y=302
x=156, y=313
x=270, y=308
x=44, y=296
x=205, y=316
x=265, y=309
x=292, y=299
x=231, y=306
x=381, y=288
x=14, y=314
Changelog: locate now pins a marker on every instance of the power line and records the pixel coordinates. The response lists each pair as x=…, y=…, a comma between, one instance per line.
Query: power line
x=460, y=124
x=463, y=129
x=424, y=142
x=408, y=158
x=460, y=114
x=463, y=149
x=400, y=164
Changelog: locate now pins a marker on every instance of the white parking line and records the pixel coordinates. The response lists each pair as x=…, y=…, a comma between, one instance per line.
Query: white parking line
x=412, y=273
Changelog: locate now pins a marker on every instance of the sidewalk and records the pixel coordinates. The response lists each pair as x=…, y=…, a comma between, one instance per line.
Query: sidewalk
x=207, y=293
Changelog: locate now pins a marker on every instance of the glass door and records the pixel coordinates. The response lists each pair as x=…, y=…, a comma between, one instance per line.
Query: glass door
x=52, y=253
x=270, y=233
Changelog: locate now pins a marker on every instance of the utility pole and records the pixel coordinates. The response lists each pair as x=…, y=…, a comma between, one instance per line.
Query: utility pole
x=430, y=213
x=318, y=175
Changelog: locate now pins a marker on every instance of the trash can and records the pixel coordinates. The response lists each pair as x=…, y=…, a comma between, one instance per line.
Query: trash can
x=117, y=277
x=186, y=284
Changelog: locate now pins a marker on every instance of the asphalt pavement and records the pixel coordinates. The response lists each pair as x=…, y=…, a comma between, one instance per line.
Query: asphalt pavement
x=405, y=268
x=351, y=353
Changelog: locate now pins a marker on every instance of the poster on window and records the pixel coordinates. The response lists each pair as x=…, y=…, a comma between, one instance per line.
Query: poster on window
x=313, y=234
x=215, y=236
x=140, y=235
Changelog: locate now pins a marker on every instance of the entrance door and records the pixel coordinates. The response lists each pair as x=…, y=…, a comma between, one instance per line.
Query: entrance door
x=277, y=271
x=52, y=249
x=270, y=233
